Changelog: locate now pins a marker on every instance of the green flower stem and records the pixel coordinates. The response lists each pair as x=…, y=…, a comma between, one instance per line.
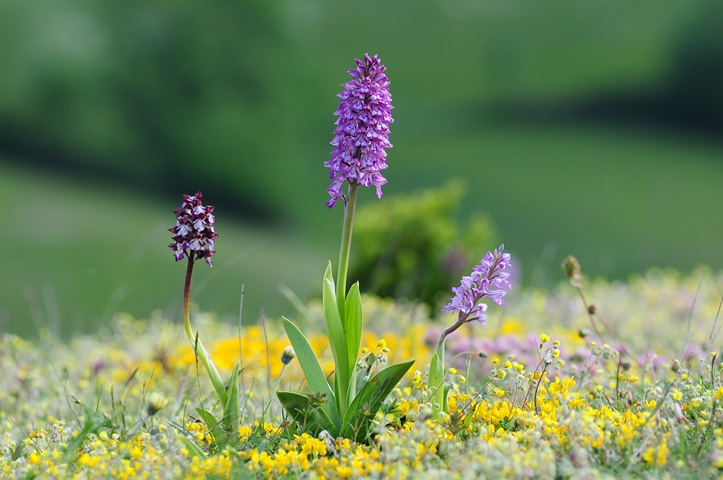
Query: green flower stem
x=447, y=332
x=218, y=385
x=349, y=208
x=437, y=386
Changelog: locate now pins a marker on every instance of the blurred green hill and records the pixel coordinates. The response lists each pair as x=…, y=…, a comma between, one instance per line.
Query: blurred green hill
x=580, y=127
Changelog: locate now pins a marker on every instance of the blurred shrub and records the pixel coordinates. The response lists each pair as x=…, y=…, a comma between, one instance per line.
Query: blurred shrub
x=411, y=246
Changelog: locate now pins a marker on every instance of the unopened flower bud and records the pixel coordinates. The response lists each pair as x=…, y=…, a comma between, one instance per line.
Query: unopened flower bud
x=288, y=355
x=571, y=267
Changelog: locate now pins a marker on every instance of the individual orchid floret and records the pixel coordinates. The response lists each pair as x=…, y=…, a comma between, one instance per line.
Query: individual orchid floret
x=194, y=236
x=488, y=279
x=362, y=130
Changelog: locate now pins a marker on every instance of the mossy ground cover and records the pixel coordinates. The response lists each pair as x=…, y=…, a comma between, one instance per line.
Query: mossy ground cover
x=549, y=397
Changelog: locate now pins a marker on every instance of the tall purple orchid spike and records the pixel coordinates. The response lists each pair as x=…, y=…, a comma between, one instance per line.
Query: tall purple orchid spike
x=362, y=130
x=194, y=235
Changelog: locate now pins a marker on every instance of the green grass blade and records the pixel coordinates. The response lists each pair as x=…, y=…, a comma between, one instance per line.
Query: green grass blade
x=231, y=410
x=312, y=369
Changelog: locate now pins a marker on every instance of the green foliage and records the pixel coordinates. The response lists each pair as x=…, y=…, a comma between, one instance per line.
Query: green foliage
x=337, y=340
x=312, y=371
x=307, y=411
x=225, y=430
x=411, y=246
x=231, y=417
x=324, y=409
x=93, y=425
x=371, y=396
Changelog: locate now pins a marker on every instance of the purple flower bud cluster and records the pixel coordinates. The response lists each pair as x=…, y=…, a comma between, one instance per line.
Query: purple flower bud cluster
x=488, y=279
x=194, y=235
x=362, y=129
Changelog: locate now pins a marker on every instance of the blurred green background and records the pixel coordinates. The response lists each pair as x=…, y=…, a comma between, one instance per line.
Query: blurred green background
x=591, y=128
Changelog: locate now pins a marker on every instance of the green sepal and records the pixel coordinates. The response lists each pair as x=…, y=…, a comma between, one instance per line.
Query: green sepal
x=231, y=410
x=219, y=435
x=312, y=369
x=370, y=399
x=297, y=405
x=337, y=339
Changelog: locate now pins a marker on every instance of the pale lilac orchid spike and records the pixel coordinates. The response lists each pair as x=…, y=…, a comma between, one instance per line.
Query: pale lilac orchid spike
x=194, y=235
x=488, y=279
x=362, y=130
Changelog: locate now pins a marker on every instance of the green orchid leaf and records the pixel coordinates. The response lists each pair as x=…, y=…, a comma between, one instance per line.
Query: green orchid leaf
x=337, y=339
x=434, y=384
x=353, y=325
x=212, y=371
x=369, y=400
x=231, y=410
x=193, y=449
x=213, y=426
x=312, y=420
x=312, y=369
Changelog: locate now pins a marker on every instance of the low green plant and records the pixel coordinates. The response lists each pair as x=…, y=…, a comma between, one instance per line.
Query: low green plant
x=348, y=406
